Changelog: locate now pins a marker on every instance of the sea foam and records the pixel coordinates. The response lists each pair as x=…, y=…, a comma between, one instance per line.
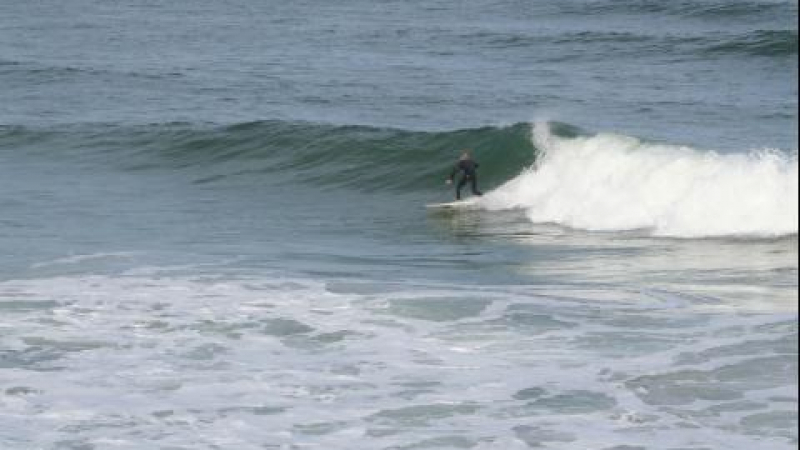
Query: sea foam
x=613, y=182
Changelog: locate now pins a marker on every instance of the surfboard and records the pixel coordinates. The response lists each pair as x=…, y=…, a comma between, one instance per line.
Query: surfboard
x=458, y=204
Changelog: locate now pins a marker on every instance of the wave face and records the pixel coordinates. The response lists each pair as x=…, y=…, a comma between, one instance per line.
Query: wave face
x=612, y=182
x=362, y=158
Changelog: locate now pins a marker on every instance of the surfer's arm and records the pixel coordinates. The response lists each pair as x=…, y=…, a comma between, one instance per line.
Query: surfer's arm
x=453, y=173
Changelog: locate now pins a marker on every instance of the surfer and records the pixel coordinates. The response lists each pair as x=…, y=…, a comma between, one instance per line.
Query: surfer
x=466, y=166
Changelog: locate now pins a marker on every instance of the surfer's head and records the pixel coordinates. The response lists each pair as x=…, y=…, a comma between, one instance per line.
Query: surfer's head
x=465, y=154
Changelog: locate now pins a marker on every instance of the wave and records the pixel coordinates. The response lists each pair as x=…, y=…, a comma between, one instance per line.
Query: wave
x=701, y=9
x=355, y=157
x=611, y=182
x=555, y=172
x=775, y=43
x=36, y=72
x=736, y=9
x=764, y=43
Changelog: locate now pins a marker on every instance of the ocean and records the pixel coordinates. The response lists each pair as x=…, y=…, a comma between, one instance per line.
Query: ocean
x=214, y=233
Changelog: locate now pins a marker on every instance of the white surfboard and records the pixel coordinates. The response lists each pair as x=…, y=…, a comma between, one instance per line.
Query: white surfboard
x=458, y=204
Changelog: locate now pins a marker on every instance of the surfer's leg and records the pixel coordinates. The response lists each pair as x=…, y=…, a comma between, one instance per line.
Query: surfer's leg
x=474, y=185
x=461, y=182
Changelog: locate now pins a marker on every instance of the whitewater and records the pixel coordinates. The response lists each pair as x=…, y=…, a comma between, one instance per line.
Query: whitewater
x=612, y=182
x=268, y=359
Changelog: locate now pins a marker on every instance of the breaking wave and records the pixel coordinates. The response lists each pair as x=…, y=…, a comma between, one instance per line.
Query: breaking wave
x=555, y=172
x=613, y=182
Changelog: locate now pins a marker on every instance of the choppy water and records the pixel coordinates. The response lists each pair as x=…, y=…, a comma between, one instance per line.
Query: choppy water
x=212, y=232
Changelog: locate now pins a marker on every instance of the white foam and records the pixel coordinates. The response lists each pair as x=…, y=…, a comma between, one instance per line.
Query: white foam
x=200, y=360
x=77, y=259
x=612, y=182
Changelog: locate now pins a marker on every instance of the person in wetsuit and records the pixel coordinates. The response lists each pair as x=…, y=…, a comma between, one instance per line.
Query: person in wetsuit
x=466, y=166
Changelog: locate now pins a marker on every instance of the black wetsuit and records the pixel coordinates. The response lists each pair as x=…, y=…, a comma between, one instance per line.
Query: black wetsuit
x=467, y=168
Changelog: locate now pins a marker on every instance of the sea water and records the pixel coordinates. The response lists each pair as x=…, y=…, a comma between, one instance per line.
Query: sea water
x=213, y=232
